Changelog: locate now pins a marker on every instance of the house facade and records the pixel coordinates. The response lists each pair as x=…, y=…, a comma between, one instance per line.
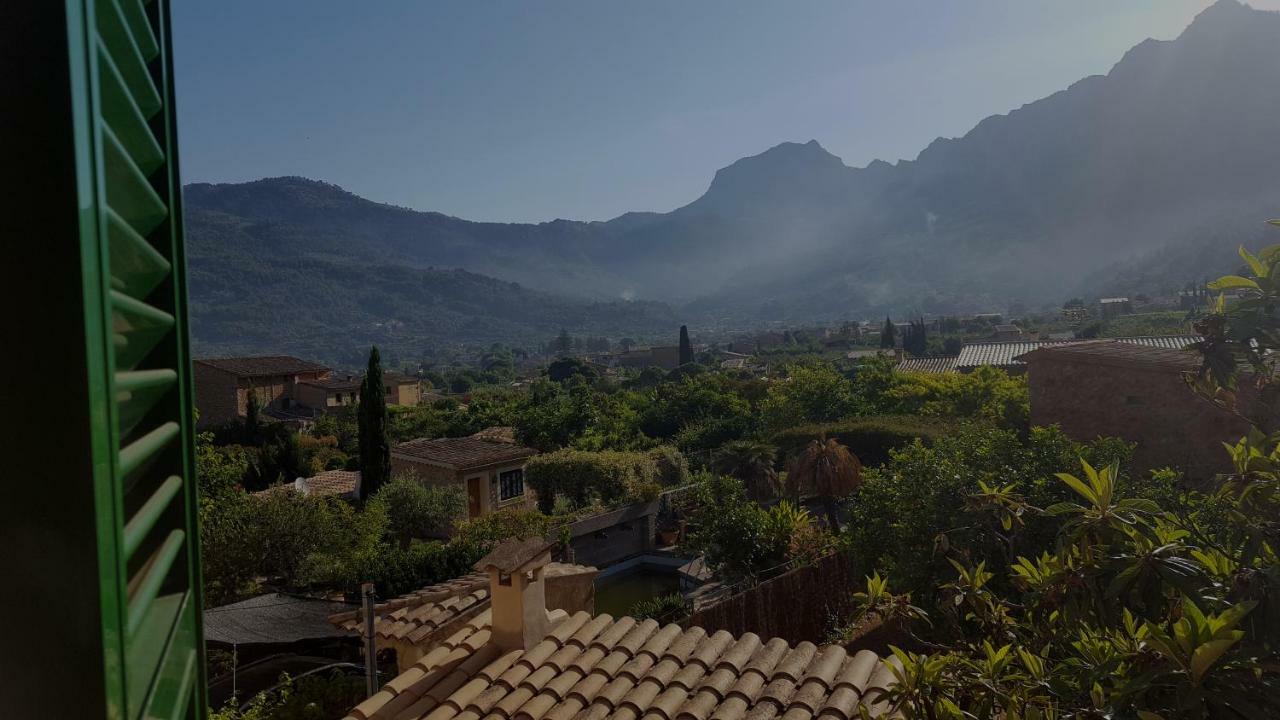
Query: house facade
x=223, y=385
x=336, y=392
x=1111, y=388
x=490, y=470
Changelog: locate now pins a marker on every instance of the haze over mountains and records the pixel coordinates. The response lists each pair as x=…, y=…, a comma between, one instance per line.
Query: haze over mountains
x=1139, y=180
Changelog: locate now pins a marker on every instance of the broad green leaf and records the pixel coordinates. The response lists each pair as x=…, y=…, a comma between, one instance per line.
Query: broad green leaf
x=1254, y=263
x=1076, y=484
x=1227, y=282
x=1207, y=654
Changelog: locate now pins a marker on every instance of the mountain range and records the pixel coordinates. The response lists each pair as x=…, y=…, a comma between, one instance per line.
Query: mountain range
x=1125, y=182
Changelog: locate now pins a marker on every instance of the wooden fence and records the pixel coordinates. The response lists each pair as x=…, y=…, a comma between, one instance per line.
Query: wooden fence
x=801, y=604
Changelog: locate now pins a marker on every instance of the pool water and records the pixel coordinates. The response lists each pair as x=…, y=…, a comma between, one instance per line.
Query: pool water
x=617, y=593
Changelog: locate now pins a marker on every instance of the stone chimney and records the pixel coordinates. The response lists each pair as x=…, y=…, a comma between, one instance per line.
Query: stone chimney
x=517, y=592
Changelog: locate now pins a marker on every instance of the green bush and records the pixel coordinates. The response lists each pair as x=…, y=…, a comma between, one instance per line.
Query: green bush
x=870, y=438
x=672, y=467
x=611, y=478
x=663, y=607
x=418, y=511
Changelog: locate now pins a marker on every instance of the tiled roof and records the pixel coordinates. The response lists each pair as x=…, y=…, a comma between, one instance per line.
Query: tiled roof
x=1004, y=354
x=940, y=364
x=333, y=482
x=421, y=617
x=593, y=668
x=263, y=365
x=462, y=453
x=329, y=482
x=353, y=382
x=497, y=433
x=346, y=382
x=271, y=618
x=1116, y=352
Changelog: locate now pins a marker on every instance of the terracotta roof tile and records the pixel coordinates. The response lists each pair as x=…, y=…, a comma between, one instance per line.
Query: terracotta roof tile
x=462, y=453
x=262, y=366
x=425, y=616
x=598, y=668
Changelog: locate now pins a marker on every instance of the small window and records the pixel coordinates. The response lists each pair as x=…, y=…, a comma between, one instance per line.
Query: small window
x=511, y=484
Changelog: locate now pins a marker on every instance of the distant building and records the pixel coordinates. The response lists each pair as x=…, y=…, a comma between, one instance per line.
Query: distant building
x=938, y=364
x=666, y=357
x=1114, y=307
x=491, y=470
x=334, y=392
x=1005, y=355
x=1007, y=331
x=223, y=385
x=1075, y=315
x=1135, y=392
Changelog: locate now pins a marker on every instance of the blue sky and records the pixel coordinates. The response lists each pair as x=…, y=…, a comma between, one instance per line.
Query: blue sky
x=529, y=111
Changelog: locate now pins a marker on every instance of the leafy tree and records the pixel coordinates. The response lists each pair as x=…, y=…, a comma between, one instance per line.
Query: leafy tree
x=375, y=450
x=811, y=393
x=753, y=463
x=551, y=416
x=827, y=469
x=915, y=340
x=563, y=344
x=686, y=347
x=416, y=510
x=567, y=367
x=888, y=335
x=741, y=540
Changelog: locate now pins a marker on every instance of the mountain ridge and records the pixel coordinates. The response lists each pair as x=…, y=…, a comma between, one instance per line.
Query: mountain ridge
x=1175, y=145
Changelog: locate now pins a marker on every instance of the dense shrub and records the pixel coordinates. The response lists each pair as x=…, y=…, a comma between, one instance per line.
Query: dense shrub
x=663, y=607
x=672, y=467
x=420, y=511
x=870, y=438
x=585, y=477
x=910, y=509
x=741, y=540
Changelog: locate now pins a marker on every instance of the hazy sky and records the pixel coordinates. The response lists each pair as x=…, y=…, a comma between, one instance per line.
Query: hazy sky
x=530, y=111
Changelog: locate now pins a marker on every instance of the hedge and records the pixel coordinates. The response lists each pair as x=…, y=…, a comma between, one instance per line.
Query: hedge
x=870, y=438
x=609, y=478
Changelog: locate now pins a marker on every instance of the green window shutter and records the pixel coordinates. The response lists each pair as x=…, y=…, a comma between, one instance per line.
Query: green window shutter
x=147, y=372
x=121, y=459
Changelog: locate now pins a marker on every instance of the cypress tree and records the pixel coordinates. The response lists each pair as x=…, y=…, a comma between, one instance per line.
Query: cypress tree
x=889, y=335
x=252, y=418
x=686, y=348
x=375, y=451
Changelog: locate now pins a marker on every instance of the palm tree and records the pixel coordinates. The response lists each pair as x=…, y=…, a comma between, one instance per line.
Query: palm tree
x=827, y=469
x=752, y=463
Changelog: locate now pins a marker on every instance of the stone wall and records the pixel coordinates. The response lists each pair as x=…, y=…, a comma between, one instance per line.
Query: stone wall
x=216, y=395
x=1147, y=405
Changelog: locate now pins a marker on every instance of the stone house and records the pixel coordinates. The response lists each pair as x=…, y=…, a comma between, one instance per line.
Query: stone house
x=1135, y=392
x=334, y=392
x=222, y=385
x=491, y=470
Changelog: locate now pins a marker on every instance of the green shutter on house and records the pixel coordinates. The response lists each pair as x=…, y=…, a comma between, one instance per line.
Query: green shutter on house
x=119, y=456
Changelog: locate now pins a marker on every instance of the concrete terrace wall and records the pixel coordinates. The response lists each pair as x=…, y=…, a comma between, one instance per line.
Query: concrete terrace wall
x=611, y=537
